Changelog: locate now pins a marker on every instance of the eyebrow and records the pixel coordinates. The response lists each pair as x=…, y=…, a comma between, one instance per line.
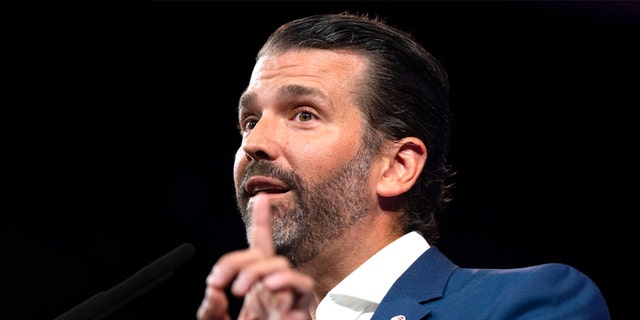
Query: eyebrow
x=248, y=99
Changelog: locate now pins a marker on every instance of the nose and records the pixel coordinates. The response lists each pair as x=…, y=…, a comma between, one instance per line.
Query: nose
x=260, y=143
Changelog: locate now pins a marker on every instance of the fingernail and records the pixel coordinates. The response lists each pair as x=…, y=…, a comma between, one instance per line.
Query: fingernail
x=213, y=276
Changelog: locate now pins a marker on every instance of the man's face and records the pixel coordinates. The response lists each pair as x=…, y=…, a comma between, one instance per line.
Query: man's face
x=301, y=145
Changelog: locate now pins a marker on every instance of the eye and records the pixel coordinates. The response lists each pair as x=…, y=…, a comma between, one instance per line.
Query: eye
x=248, y=124
x=304, y=116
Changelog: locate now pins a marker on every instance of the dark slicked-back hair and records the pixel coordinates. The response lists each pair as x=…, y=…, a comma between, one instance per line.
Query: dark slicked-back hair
x=404, y=94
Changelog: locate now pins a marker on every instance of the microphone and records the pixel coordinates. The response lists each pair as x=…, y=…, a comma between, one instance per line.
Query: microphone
x=104, y=303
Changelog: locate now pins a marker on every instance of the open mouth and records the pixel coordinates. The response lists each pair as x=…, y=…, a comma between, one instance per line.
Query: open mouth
x=262, y=184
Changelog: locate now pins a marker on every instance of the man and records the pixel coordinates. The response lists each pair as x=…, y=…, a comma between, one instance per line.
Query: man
x=340, y=179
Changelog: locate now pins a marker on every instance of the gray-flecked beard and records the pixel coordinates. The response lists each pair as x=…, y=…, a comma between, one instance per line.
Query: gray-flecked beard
x=318, y=213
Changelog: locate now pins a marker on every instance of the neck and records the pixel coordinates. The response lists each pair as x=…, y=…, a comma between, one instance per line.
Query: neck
x=341, y=256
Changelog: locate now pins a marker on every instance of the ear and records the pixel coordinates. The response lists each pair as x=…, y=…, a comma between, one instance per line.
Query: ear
x=403, y=167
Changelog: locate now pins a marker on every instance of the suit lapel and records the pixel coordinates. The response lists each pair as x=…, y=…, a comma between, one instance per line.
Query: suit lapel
x=424, y=281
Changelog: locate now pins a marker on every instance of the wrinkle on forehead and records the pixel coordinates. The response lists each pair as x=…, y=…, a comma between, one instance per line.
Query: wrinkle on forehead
x=248, y=99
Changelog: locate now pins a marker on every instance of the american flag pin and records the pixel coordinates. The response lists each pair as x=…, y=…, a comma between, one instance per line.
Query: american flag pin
x=399, y=318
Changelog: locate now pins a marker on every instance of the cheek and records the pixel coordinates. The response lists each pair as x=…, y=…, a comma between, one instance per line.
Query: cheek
x=315, y=160
x=239, y=165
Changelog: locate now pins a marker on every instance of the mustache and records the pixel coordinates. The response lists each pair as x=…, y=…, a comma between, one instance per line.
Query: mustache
x=269, y=169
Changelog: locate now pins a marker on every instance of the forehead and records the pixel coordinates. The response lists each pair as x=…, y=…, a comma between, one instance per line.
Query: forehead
x=331, y=75
x=338, y=63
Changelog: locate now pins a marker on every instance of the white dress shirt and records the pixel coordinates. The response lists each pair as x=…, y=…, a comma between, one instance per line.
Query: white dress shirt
x=358, y=295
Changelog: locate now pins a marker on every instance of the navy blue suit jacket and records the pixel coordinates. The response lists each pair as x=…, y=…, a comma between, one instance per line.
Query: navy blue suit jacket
x=435, y=288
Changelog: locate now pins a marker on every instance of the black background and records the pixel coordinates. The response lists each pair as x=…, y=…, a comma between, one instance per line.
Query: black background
x=118, y=136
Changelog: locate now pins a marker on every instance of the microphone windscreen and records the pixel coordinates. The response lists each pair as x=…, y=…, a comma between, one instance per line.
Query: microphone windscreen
x=105, y=303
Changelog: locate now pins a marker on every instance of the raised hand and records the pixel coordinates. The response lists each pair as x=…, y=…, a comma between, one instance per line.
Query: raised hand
x=270, y=287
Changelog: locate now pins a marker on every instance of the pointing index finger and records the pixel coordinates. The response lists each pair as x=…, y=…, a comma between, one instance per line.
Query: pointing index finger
x=261, y=236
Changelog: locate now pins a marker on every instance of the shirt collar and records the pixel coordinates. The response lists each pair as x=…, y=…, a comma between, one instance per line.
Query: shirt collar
x=385, y=267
